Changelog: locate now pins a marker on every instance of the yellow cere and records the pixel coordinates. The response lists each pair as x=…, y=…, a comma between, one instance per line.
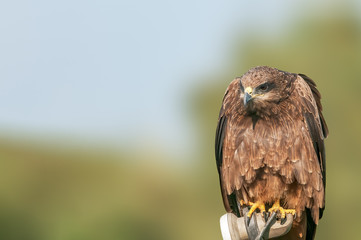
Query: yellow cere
x=249, y=90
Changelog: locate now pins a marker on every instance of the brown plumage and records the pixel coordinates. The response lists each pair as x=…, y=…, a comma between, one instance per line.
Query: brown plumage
x=269, y=145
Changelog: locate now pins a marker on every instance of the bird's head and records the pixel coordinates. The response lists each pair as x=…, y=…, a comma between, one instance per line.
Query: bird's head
x=263, y=88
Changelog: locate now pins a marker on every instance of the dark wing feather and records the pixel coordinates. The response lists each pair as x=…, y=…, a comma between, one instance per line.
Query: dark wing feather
x=311, y=226
x=222, y=122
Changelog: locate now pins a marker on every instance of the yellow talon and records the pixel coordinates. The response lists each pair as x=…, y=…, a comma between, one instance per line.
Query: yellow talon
x=276, y=207
x=259, y=205
x=244, y=203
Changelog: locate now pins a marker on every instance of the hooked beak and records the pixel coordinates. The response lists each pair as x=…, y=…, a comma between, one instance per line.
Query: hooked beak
x=247, y=95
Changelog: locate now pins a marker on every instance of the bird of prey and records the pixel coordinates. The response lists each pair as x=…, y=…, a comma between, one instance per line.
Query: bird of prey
x=270, y=147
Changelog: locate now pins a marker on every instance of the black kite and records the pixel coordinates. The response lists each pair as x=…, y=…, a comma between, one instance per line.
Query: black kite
x=270, y=147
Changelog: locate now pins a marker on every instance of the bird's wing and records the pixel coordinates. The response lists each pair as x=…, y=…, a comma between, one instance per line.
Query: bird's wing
x=230, y=201
x=318, y=131
x=316, y=124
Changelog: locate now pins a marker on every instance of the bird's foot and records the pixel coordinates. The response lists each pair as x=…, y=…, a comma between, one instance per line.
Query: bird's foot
x=244, y=203
x=254, y=206
x=277, y=208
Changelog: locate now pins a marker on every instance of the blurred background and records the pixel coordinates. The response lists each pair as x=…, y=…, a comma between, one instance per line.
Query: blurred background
x=108, y=110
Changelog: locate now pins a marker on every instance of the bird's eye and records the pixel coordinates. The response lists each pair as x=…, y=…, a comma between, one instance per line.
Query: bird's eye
x=263, y=87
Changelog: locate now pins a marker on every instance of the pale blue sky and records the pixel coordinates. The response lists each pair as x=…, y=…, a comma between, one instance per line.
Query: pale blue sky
x=118, y=68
